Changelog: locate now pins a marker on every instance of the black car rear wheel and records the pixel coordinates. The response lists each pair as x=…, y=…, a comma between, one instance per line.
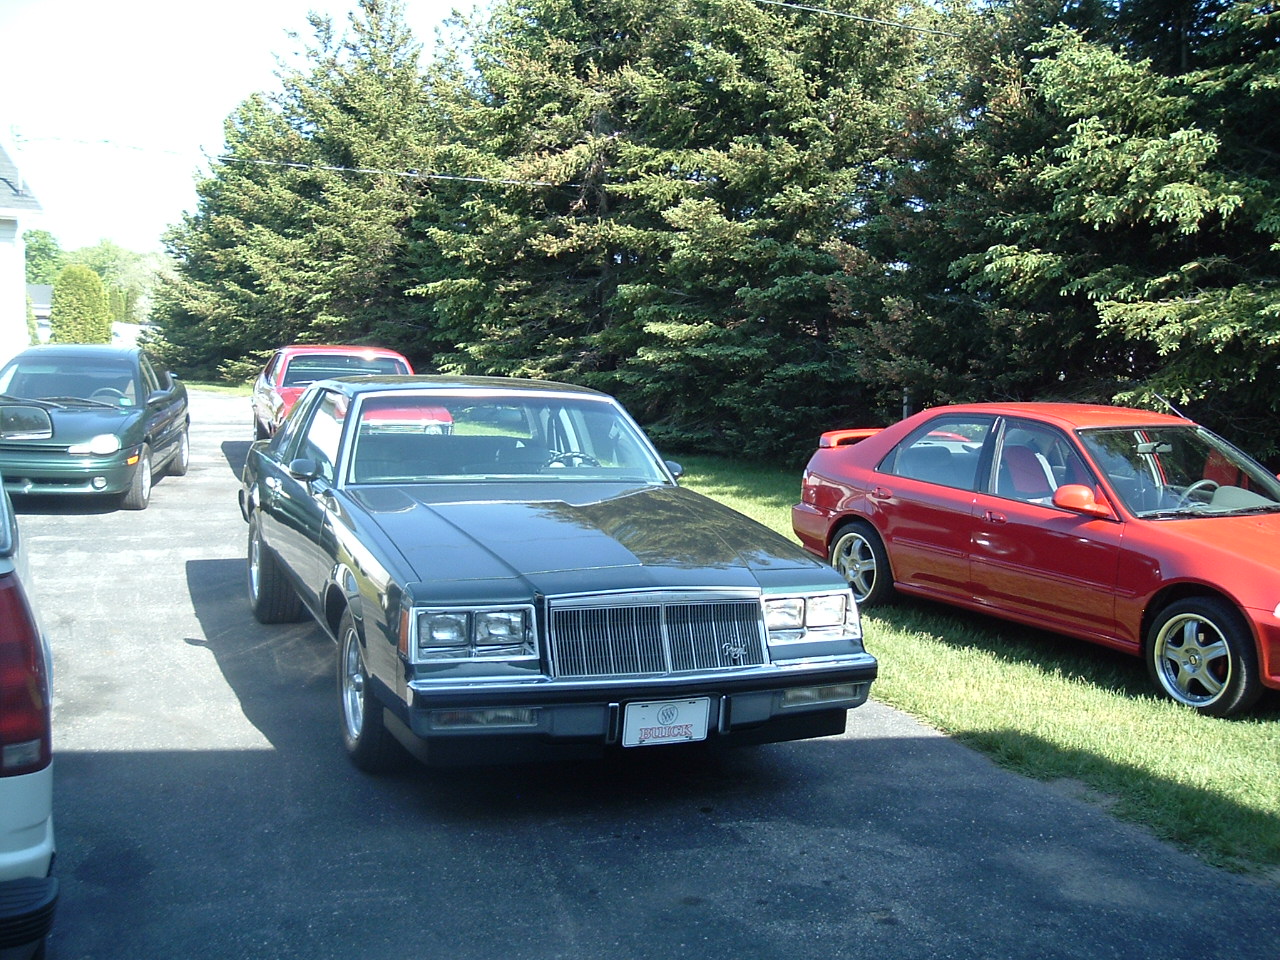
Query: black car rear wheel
x=1199, y=652
x=859, y=554
x=368, y=743
x=271, y=596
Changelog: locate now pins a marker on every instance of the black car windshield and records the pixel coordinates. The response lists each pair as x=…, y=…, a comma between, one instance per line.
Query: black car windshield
x=1165, y=472
x=403, y=438
x=102, y=380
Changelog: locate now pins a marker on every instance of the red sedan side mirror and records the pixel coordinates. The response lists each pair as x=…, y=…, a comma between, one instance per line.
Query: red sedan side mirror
x=1078, y=498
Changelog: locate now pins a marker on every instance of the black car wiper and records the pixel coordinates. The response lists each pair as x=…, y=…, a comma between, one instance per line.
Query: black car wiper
x=58, y=401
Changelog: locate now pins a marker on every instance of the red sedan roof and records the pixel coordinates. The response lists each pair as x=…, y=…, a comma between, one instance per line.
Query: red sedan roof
x=296, y=348
x=1071, y=416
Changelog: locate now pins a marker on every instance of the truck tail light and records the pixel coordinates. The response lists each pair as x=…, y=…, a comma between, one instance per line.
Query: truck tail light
x=25, y=711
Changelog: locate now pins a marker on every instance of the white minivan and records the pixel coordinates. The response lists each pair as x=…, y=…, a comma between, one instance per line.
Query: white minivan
x=28, y=891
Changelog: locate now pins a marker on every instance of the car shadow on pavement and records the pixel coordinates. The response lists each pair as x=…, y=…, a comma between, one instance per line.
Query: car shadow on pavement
x=236, y=452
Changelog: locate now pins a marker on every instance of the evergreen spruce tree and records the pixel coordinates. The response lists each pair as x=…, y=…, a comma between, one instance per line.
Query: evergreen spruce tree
x=300, y=231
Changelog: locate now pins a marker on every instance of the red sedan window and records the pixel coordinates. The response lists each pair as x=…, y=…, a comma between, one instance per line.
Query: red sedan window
x=945, y=451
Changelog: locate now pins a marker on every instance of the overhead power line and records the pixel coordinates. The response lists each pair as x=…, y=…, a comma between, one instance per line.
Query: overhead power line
x=896, y=24
x=406, y=174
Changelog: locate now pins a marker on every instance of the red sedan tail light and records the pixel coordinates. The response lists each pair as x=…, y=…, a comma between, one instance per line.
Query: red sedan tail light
x=25, y=711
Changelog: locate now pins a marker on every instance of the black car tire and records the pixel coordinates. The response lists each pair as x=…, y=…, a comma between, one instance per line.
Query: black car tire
x=139, y=493
x=182, y=459
x=1200, y=652
x=368, y=743
x=271, y=596
x=858, y=554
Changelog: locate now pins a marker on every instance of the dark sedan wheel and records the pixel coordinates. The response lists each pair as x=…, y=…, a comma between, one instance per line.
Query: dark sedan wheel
x=1200, y=653
x=139, y=493
x=182, y=459
x=368, y=744
x=859, y=554
x=271, y=596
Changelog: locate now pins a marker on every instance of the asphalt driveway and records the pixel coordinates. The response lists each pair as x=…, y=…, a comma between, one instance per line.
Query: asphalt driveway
x=205, y=809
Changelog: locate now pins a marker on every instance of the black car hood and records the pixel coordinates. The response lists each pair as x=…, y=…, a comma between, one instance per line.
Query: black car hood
x=585, y=537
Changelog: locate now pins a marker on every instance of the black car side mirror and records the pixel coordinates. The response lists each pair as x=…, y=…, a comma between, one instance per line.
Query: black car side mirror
x=20, y=421
x=304, y=468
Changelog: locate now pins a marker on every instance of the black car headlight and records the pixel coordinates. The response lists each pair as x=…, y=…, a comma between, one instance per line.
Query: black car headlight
x=805, y=618
x=477, y=633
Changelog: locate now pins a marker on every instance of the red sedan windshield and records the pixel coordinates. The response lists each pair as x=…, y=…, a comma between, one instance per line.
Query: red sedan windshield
x=1177, y=471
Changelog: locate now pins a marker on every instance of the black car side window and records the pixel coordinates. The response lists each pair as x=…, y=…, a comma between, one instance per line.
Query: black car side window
x=323, y=435
x=945, y=451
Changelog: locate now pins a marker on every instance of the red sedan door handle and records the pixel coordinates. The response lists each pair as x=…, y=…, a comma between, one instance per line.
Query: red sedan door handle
x=880, y=493
x=992, y=517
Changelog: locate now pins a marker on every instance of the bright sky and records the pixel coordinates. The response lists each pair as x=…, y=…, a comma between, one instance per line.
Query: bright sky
x=110, y=106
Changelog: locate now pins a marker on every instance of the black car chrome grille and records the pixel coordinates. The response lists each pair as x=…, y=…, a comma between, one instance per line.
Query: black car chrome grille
x=633, y=636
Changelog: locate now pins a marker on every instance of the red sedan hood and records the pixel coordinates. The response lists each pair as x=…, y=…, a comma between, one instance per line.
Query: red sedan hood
x=1241, y=553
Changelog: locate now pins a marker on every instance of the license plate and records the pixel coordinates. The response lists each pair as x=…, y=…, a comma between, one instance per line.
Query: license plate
x=665, y=721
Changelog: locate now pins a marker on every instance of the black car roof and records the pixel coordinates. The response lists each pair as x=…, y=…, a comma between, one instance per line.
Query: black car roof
x=376, y=384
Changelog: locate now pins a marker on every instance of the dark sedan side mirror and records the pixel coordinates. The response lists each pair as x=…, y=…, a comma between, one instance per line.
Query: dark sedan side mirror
x=677, y=471
x=1079, y=498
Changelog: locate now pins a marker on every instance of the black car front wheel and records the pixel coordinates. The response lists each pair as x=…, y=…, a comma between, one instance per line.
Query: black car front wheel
x=271, y=596
x=1199, y=652
x=368, y=743
x=859, y=554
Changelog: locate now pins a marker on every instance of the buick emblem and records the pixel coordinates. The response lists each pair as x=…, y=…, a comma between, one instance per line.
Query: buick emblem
x=735, y=653
x=667, y=714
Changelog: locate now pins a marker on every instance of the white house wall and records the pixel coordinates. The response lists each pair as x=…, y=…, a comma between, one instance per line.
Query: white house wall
x=13, y=290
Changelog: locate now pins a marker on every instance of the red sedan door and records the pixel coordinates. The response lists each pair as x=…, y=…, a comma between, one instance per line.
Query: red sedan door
x=924, y=501
x=1032, y=560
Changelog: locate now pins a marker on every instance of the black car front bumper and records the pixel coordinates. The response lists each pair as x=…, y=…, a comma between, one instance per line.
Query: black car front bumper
x=478, y=723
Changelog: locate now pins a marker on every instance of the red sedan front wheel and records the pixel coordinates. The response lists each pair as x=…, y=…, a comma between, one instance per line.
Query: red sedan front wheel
x=1199, y=652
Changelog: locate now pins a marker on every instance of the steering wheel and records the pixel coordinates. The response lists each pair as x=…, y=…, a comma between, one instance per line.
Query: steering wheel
x=564, y=457
x=1199, y=485
x=110, y=392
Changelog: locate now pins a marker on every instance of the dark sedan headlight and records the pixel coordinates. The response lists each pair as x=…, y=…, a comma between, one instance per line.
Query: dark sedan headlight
x=811, y=617
x=103, y=445
x=478, y=633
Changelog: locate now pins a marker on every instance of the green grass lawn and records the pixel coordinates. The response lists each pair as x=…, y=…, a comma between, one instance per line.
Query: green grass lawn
x=1059, y=709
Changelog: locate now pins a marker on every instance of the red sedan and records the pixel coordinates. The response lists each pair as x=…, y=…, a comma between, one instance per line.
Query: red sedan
x=292, y=368
x=1136, y=530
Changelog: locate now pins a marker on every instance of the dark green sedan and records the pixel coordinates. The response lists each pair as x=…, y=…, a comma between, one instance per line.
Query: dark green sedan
x=534, y=583
x=117, y=423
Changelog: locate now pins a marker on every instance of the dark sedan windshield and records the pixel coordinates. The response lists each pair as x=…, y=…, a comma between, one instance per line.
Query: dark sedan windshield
x=1180, y=471
x=105, y=380
x=426, y=437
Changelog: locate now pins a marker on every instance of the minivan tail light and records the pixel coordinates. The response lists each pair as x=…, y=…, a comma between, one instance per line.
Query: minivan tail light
x=25, y=721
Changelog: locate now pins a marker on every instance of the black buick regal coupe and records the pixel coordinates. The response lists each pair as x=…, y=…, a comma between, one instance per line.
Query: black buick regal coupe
x=534, y=584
